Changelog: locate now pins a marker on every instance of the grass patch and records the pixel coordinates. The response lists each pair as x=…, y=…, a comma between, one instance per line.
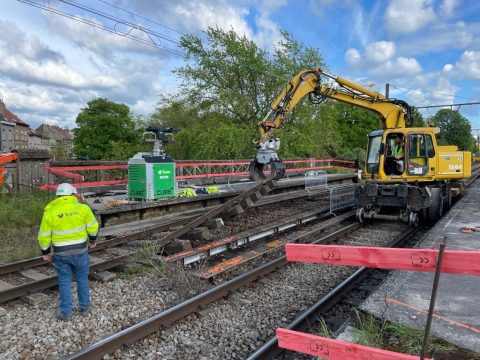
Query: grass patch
x=175, y=277
x=20, y=217
x=129, y=272
x=403, y=339
x=370, y=331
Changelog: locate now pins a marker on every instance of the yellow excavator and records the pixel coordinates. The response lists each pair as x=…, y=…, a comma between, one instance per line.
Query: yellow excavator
x=408, y=176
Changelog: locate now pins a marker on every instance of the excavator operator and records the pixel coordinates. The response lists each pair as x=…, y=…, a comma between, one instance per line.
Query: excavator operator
x=394, y=162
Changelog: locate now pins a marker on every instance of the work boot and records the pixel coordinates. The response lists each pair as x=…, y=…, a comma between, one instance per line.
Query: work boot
x=64, y=318
x=85, y=312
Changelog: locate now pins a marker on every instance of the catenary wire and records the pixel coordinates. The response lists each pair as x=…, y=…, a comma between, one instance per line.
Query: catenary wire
x=103, y=27
x=140, y=16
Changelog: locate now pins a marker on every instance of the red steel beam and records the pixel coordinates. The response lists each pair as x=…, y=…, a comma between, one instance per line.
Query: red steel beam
x=331, y=349
x=64, y=173
x=86, y=184
x=454, y=261
x=91, y=167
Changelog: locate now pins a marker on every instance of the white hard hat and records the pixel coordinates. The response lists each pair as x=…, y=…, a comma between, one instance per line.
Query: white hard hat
x=65, y=189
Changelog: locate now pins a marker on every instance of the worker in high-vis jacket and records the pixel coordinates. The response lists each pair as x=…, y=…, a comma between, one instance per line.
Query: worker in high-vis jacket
x=69, y=228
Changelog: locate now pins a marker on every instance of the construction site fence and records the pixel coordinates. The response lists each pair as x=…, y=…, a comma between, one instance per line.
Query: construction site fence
x=91, y=174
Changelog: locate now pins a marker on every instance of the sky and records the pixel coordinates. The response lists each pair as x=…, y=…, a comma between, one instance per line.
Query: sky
x=53, y=62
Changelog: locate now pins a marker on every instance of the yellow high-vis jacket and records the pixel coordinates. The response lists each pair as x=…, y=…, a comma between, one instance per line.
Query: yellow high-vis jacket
x=67, y=225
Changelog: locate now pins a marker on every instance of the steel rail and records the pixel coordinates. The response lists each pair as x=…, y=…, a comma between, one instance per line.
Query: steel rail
x=42, y=284
x=254, y=193
x=51, y=281
x=270, y=349
x=474, y=177
x=248, y=237
x=148, y=230
x=101, y=245
x=140, y=330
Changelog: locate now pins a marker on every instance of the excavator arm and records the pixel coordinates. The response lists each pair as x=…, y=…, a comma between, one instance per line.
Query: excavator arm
x=392, y=113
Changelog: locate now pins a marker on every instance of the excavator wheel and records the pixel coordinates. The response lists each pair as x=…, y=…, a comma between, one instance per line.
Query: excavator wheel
x=277, y=170
x=413, y=220
x=359, y=215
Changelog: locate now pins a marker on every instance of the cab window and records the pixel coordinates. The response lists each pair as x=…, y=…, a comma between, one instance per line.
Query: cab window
x=417, y=161
x=430, y=148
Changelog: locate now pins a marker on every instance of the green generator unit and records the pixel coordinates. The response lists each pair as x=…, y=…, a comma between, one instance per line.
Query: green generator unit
x=151, y=177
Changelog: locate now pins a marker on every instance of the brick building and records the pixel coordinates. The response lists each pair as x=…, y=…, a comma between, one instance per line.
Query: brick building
x=60, y=140
x=7, y=131
x=21, y=128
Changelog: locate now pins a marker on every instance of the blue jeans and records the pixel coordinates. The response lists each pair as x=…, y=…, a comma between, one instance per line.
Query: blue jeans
x=77, y=265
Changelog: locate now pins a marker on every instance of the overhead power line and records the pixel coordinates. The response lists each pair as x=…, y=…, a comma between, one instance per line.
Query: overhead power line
x=448, y=105
x=430, y=92
x=140, y=16
x=155, y=39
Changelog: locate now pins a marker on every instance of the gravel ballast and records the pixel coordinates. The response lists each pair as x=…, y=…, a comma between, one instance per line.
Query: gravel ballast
x=227, y=329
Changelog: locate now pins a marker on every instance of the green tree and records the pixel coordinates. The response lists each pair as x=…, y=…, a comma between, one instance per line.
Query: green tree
x=228, y=86
x=455, y=129
x=418, y=120
x=352, y=124
x=104, y=127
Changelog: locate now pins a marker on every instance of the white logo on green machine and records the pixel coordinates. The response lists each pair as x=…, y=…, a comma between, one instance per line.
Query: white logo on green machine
x=164, y=174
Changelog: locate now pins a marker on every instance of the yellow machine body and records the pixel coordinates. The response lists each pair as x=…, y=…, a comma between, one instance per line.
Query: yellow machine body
x=405, y=180
x=423, y=161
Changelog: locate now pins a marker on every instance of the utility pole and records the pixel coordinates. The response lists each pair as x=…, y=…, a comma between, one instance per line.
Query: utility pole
x=387, y=90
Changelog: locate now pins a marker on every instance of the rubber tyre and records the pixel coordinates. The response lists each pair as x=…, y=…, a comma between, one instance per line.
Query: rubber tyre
x=435, y=212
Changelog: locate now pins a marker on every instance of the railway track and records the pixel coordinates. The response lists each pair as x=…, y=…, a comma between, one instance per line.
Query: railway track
x=178, y=312
x=270, y=349
x=167, y=318
x=30, y=278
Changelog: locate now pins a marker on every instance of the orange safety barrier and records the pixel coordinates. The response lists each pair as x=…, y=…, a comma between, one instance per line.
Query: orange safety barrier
x=454, y=261
x=331, y=349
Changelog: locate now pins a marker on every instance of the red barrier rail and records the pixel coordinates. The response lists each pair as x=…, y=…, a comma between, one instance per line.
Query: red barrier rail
x=190, y=170
x=331, y=349
x=63, y=172
x=425, y=260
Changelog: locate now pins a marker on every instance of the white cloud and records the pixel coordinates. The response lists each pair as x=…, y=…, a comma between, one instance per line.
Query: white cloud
x=380, y=51
x=268, y=34
x=448, y=6
x=15, y=41
x=40, y=104
x=444, y=36
x=32, y=61
x=467, y=67
x=49, y=72
x=353, y=57
x=404, y=17
x=99, y=41
x=423, y=90
x=396, y=68
x=379, y=60
x=447, y=68
x=191, y=16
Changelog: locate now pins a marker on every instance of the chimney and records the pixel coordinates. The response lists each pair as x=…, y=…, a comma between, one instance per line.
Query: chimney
x=2, y=107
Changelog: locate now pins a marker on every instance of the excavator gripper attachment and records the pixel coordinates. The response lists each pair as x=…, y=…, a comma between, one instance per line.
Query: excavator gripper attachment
x=256, y=170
